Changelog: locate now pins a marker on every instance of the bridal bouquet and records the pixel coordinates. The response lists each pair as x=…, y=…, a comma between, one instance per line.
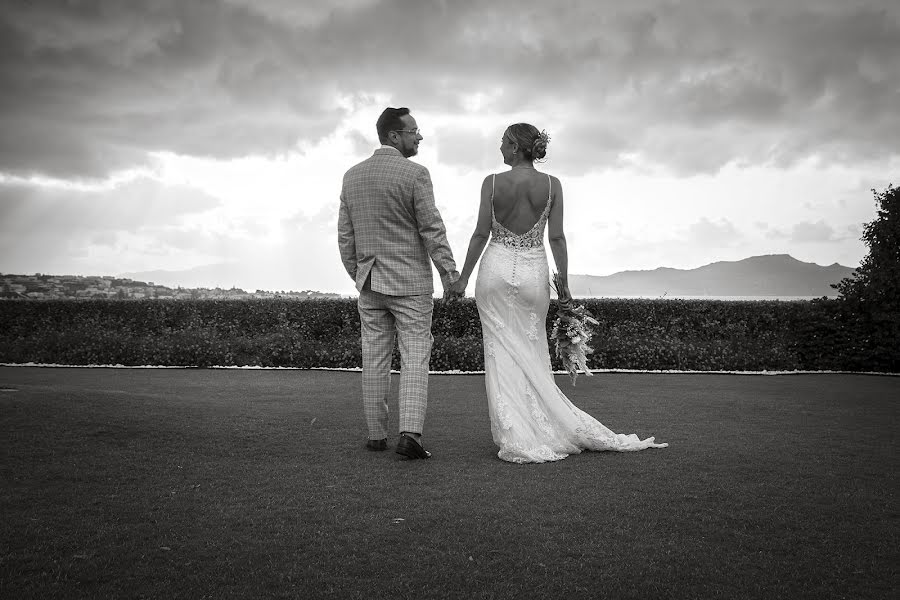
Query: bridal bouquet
x=572, y=330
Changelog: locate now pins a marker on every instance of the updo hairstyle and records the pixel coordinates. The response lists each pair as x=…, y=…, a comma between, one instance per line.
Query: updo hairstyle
x=532, y=143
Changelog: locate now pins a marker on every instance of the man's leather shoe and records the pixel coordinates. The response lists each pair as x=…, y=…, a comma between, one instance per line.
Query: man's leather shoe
x=377, y=445
x=412, y=449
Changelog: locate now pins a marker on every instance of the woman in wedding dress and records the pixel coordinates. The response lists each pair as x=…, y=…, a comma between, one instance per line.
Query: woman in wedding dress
x=532, y=421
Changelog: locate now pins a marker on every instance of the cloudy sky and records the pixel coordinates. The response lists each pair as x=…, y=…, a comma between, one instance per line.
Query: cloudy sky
x=210, y=136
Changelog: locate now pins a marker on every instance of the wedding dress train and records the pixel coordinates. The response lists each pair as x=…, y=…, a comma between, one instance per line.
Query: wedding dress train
x=532, y=420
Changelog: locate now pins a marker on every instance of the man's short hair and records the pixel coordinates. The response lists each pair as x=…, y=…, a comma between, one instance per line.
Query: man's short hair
x=390, y=121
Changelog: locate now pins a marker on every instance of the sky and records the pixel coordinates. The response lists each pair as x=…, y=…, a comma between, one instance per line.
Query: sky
x=208, y=138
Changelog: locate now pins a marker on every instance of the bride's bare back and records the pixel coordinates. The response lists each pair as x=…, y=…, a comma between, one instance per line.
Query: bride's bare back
x=520, y=196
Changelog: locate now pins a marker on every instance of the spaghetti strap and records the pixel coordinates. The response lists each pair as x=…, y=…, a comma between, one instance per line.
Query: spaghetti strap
x=493, y=179
x=550, y=189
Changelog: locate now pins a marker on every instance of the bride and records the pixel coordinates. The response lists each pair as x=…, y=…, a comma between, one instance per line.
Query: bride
x=532, y=421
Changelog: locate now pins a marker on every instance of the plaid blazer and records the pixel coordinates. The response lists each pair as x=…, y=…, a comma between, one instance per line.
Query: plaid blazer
x=389, y=226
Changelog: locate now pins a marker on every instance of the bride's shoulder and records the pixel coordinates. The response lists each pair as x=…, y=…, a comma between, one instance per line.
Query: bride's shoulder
x=554, y=181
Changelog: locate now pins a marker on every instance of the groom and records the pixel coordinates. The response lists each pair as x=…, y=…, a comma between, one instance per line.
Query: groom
x=388, y=227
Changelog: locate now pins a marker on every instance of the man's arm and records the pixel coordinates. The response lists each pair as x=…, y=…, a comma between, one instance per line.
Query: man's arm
x=432, y=230
x=346, y=239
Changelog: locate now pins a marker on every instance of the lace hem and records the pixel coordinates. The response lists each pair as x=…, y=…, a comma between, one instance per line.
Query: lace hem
x=515, y=453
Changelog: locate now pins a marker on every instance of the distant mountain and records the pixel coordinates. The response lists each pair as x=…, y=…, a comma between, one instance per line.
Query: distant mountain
x=776, y=275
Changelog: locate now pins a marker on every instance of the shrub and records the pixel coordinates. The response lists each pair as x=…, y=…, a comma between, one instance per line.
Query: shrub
x=698, y=335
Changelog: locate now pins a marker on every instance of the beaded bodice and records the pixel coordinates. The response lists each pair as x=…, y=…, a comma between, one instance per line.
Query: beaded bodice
x=533, y=238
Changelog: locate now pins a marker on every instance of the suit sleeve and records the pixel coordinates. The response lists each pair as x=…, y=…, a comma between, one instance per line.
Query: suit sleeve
x=432, y=230
x=346, y=239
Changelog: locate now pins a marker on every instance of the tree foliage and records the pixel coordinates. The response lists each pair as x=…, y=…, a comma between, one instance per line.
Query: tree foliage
x=871, y=296
x=877, y=280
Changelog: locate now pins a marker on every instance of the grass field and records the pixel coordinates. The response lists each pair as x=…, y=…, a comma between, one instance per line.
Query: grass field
x=120, y=483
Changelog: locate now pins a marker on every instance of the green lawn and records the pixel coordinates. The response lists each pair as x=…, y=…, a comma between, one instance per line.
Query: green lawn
x=247, y=484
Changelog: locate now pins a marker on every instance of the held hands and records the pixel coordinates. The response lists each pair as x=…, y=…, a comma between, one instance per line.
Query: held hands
x=456, y=290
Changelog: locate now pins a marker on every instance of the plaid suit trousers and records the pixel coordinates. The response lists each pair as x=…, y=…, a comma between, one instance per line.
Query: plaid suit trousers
x=383, y=317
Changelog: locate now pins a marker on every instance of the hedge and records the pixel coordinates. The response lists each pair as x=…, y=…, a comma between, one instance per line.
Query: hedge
x=661, y=334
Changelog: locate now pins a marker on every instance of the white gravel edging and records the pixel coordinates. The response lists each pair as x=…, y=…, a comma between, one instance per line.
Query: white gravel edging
x=359, y=370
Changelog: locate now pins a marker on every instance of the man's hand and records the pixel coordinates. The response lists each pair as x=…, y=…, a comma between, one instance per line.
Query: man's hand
x=456, y=290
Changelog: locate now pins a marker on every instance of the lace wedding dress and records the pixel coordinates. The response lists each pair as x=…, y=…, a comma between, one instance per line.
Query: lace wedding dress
x=532, y=421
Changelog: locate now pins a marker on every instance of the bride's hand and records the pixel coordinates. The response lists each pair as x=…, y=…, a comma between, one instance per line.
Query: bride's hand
x=457, y=289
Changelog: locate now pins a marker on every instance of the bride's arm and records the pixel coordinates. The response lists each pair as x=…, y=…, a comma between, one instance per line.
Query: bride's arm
x=479, y=237
x=557, y=238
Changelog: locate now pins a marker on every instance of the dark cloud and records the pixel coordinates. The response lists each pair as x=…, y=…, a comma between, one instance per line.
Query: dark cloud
x=93, y=86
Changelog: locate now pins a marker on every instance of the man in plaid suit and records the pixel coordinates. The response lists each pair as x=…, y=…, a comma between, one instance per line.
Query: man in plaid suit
x=388, y=228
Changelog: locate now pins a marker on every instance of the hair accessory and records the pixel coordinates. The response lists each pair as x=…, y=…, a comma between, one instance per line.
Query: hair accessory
x=539, y=146
x=544, y=137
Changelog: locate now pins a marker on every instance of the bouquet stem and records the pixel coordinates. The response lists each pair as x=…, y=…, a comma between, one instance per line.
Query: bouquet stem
x=572, y=330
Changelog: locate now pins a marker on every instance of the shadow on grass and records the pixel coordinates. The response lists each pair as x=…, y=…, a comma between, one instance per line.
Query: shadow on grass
x=239, y=484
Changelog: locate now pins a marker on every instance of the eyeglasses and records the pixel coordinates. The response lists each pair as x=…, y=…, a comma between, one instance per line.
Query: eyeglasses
x=415, y=131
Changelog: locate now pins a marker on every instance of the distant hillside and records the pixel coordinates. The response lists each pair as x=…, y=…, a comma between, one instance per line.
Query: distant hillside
x=778, y=275
x=773, y=275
